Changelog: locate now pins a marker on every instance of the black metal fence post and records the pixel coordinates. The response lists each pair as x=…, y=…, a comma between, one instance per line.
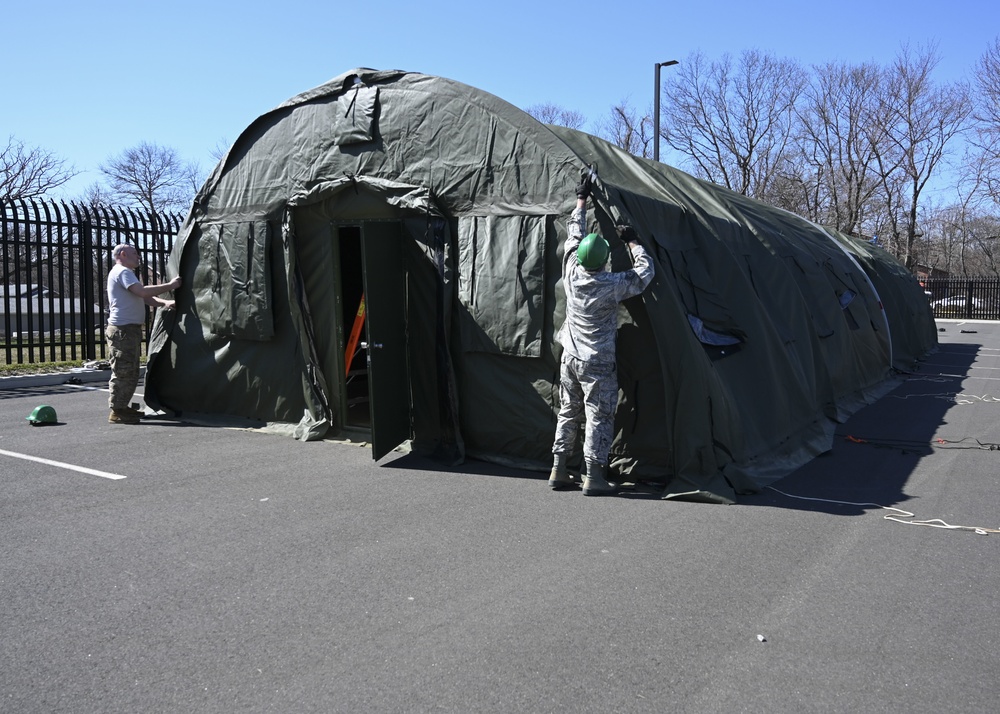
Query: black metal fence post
x=86, y=254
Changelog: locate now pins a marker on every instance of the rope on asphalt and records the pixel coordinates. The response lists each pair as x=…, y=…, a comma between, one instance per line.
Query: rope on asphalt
x=952, y=397
x=910, y=444
x=899, y=515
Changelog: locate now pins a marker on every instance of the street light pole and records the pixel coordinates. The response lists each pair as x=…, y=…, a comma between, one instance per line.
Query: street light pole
x=656, y=107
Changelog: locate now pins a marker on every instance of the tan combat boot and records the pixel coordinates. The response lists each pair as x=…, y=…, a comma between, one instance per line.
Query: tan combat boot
x=123, y=416
x=559, y=478
x=596, y=483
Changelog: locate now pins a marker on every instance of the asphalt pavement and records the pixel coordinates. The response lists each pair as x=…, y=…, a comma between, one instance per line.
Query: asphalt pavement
x=177, y=567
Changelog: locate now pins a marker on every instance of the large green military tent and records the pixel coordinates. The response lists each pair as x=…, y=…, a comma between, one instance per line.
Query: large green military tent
x=444, y=209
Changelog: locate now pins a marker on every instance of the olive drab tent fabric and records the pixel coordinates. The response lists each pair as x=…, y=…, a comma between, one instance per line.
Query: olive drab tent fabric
x=383, y=253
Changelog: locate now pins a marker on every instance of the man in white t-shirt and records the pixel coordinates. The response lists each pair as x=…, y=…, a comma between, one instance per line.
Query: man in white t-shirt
x=128, y=298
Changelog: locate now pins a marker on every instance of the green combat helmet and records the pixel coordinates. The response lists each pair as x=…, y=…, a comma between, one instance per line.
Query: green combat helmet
x=43, y=414
x=593, y=251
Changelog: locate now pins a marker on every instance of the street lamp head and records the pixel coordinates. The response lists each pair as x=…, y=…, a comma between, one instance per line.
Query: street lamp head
x=656, y=107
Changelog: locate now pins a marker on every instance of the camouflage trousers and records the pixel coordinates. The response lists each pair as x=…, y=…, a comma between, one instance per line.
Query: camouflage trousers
x=588, y=397
x=124, y=345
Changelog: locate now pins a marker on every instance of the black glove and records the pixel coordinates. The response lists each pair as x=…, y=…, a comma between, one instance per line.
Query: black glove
x=583, y=188
x=626, y=233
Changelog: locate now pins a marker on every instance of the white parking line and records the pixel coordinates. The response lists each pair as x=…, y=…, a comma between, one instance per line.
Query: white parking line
x=87, y=388
x=138, y=395
x=60, y=464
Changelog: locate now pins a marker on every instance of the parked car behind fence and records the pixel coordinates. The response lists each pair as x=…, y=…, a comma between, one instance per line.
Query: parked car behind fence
x=964, y=298
x=958, y=306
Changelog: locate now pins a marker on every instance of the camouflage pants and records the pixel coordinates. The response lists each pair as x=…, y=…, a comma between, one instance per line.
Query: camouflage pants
x=124, y=345
x=588, y=396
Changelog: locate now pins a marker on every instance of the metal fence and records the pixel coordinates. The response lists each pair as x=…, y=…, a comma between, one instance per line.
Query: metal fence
x=55, y=259
x=964, y=298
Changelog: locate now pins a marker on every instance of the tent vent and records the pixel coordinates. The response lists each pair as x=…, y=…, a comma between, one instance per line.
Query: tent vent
x=708, y=336
x=846, y=298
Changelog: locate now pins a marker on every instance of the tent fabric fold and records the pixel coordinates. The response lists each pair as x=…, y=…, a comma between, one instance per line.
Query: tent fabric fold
x=446, y=206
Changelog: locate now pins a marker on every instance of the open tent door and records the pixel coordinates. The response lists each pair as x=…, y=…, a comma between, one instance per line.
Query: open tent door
x=385, y=305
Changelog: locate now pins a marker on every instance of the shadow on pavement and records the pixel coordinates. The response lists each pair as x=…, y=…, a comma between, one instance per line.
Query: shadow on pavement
x=41, y=391
x=471, y=467
x=877, y=450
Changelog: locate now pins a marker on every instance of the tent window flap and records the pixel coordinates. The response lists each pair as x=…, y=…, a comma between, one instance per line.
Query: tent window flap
x=501, y=283
x=355, y=123
x=241, y=281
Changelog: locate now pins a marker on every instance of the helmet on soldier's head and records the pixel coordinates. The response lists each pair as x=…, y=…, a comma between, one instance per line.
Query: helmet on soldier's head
x=593, y=251
x=42, y=414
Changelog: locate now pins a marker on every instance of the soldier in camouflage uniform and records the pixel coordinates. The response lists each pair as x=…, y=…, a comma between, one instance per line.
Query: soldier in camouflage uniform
x=588, y=380
x=127, y=298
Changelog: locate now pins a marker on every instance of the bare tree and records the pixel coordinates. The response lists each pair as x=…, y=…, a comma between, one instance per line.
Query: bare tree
x=733, y=121
x=837, y=146
x=96, y=194
x=554, y=114
x=151, y=176
x=626, y=129
x=220, y=150
x=967, y=241
x=948, y=249
x=985, y=144
x=26, y=172
x=921, y=119
x=984, y=235
x=30, y=172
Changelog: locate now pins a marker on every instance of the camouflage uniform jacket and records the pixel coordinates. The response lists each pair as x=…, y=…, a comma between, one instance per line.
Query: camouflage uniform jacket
x=592, y=298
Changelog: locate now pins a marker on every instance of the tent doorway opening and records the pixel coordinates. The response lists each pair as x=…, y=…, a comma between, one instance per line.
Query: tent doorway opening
x=376, y=393
x=354, y=329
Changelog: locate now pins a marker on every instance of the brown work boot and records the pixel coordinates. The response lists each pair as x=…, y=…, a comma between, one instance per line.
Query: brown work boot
x=123, y=415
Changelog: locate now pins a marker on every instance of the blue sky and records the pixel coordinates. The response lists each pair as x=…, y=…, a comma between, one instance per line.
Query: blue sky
x=86, y=80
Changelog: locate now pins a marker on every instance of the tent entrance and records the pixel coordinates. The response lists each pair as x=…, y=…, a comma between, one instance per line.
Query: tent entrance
x=356, y=399
x=377, y=384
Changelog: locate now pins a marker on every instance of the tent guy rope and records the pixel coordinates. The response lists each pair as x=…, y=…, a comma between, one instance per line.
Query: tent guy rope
x=898, y=515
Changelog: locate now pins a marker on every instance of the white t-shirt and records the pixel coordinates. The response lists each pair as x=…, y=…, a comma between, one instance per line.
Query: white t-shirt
x=126, y=307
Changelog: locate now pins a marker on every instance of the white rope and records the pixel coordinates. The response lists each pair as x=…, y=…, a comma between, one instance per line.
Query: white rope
x=942, y=378
x=900, y=516
x=969, y=397
x=950, y=397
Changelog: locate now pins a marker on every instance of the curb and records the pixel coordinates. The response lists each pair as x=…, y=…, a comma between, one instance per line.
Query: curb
x=74, y=376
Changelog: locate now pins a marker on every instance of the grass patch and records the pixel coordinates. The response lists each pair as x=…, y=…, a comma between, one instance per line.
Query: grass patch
x=39, y=358
x=12, y=370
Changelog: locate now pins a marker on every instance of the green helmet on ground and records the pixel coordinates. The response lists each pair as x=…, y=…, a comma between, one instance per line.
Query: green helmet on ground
x=593, y=251
x=42, y=414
